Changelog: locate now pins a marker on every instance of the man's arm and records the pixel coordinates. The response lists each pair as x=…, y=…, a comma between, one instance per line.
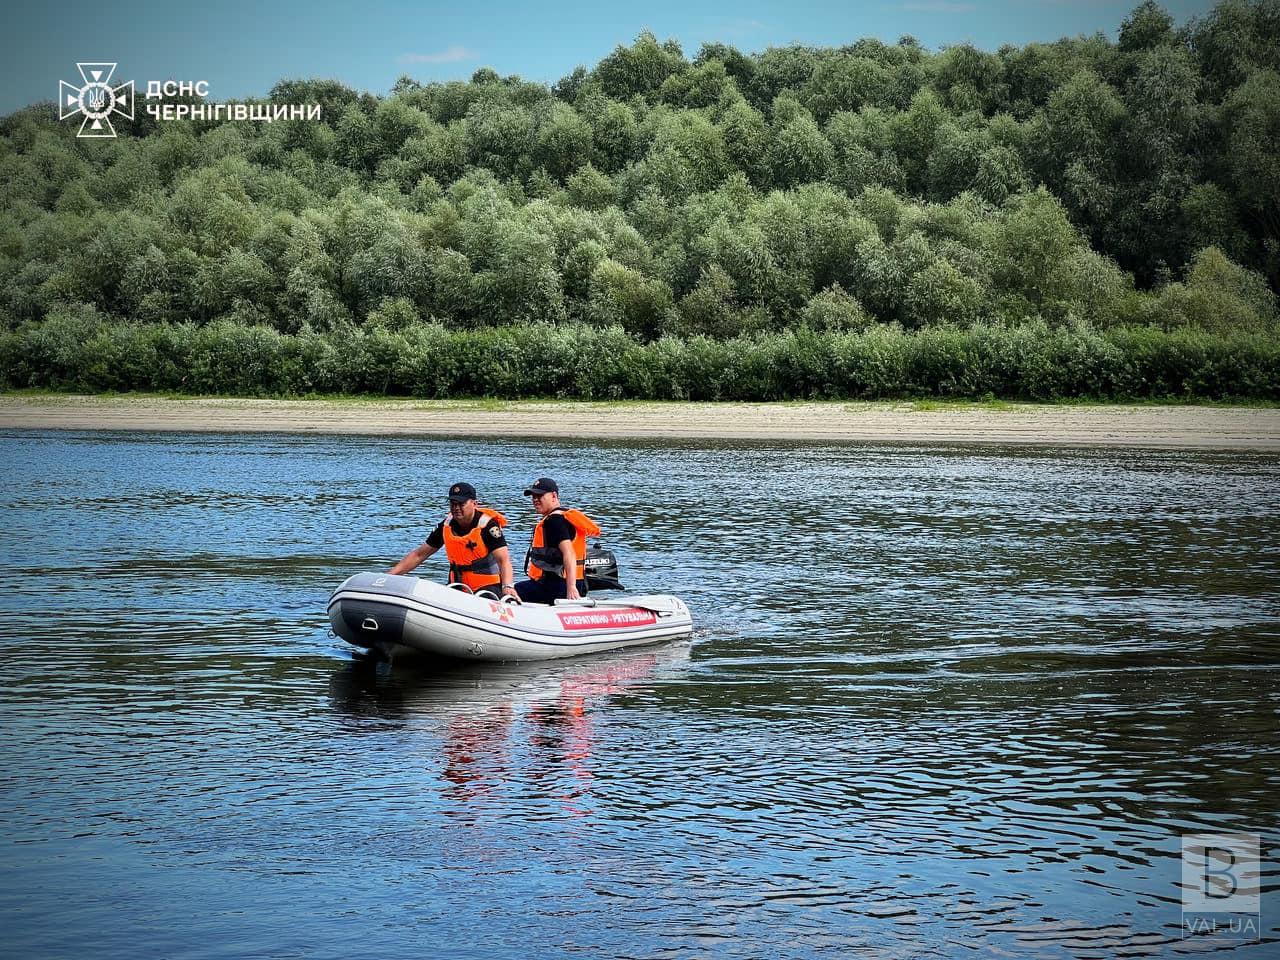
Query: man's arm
x=506, y=574
x=415, y=557
x=570, y=570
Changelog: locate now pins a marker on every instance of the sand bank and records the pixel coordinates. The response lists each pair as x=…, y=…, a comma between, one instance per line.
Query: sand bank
x=1169, y=427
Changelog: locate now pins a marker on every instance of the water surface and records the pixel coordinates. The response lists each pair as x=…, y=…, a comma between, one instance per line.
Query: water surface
x=940, y=702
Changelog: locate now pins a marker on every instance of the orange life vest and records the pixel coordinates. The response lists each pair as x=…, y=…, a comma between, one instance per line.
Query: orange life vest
x=547, y=557
x=469, y=559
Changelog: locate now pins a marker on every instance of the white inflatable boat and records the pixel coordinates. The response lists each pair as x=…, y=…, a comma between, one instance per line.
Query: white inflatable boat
x=396, y=614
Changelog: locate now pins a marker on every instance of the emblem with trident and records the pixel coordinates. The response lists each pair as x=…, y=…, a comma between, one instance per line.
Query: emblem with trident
x=96, y=99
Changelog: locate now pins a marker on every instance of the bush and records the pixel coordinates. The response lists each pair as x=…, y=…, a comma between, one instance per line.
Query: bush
x=1218, y=295
x=77, y=350
x=834, y=310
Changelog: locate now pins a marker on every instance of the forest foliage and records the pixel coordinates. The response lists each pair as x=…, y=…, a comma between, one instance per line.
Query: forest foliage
x=1083, y=198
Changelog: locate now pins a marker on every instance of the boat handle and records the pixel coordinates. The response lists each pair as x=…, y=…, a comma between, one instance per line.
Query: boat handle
x=369, y=624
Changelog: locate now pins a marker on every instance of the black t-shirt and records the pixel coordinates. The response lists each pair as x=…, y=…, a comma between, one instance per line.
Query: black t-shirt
x=555, y=530
x=491, y=535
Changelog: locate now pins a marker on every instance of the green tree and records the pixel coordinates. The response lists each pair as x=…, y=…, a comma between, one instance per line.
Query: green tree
x=520, y=283
x=1074, y=145
x=332, y=97
x=237, y=276
x=779, y=69
x=614, y=133
x=212, y=211
x=1031, y=247
x=1000, y=175
x=641, y=69
x=954, y=163
x=357, y=144
x=697, y=142
x=746, y=141
x=437, y=152
x=1221, y=296
x=915, y=134
x=845, y=82
x=705, y=85
x=394, y=122
x=799, y=153
x=563, y=140
x=834, y=310
x=1032, y=73
x=590, y=188
x=711, y=307
x=499, y=134
x=1251, y=117
x=941, y=294
x=580, y=265
x=863, y=153
x=738, y=67
x=624, y=297
x=1213, y=221
x=1147, y=27
x=969, y=79
x=1235, y=39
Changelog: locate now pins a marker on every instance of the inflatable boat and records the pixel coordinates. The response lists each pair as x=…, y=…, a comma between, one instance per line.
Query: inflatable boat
x=394, y=615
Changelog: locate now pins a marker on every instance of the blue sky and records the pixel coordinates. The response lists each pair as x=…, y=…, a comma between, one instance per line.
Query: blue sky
x=242, y=48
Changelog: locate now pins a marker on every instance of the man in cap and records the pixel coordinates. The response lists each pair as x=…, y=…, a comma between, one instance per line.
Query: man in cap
x=559, y=545
x=474, y=543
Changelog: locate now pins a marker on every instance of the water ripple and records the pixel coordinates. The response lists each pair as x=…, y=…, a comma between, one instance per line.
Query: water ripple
x=939, y=703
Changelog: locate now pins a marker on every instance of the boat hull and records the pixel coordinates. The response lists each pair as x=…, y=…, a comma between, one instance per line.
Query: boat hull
x=397, y=615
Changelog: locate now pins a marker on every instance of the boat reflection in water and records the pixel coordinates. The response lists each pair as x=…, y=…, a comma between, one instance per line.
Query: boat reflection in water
x=522, y=732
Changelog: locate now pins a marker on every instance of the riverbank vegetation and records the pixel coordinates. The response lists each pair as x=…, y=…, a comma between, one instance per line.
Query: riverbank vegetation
x=1082, y=218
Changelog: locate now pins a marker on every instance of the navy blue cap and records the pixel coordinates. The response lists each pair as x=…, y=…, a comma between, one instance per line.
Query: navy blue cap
x=541, y=485
x=461, y=493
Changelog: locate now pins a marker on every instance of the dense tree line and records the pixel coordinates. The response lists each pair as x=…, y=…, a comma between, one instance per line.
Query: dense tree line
x=74, y=349
x=1077, y=189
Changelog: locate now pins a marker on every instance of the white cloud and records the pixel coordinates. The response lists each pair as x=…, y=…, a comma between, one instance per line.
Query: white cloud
x=454, y=54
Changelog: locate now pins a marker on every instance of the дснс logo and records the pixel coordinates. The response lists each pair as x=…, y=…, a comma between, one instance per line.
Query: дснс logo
x=95, y=99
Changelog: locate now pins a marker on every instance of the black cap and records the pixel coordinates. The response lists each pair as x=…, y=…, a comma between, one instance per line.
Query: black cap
x=541, y=485
x=461, y=493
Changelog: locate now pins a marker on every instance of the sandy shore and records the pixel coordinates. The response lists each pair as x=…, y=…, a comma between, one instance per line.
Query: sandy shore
x=1170, y=427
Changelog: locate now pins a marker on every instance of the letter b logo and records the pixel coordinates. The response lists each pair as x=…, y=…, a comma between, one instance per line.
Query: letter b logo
x=1221, y=873
x=1219, y=883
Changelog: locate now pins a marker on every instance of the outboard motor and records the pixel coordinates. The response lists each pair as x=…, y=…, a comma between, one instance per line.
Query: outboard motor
x=601, y=568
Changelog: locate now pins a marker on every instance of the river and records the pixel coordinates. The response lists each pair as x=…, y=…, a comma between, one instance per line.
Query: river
x=940, y=702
